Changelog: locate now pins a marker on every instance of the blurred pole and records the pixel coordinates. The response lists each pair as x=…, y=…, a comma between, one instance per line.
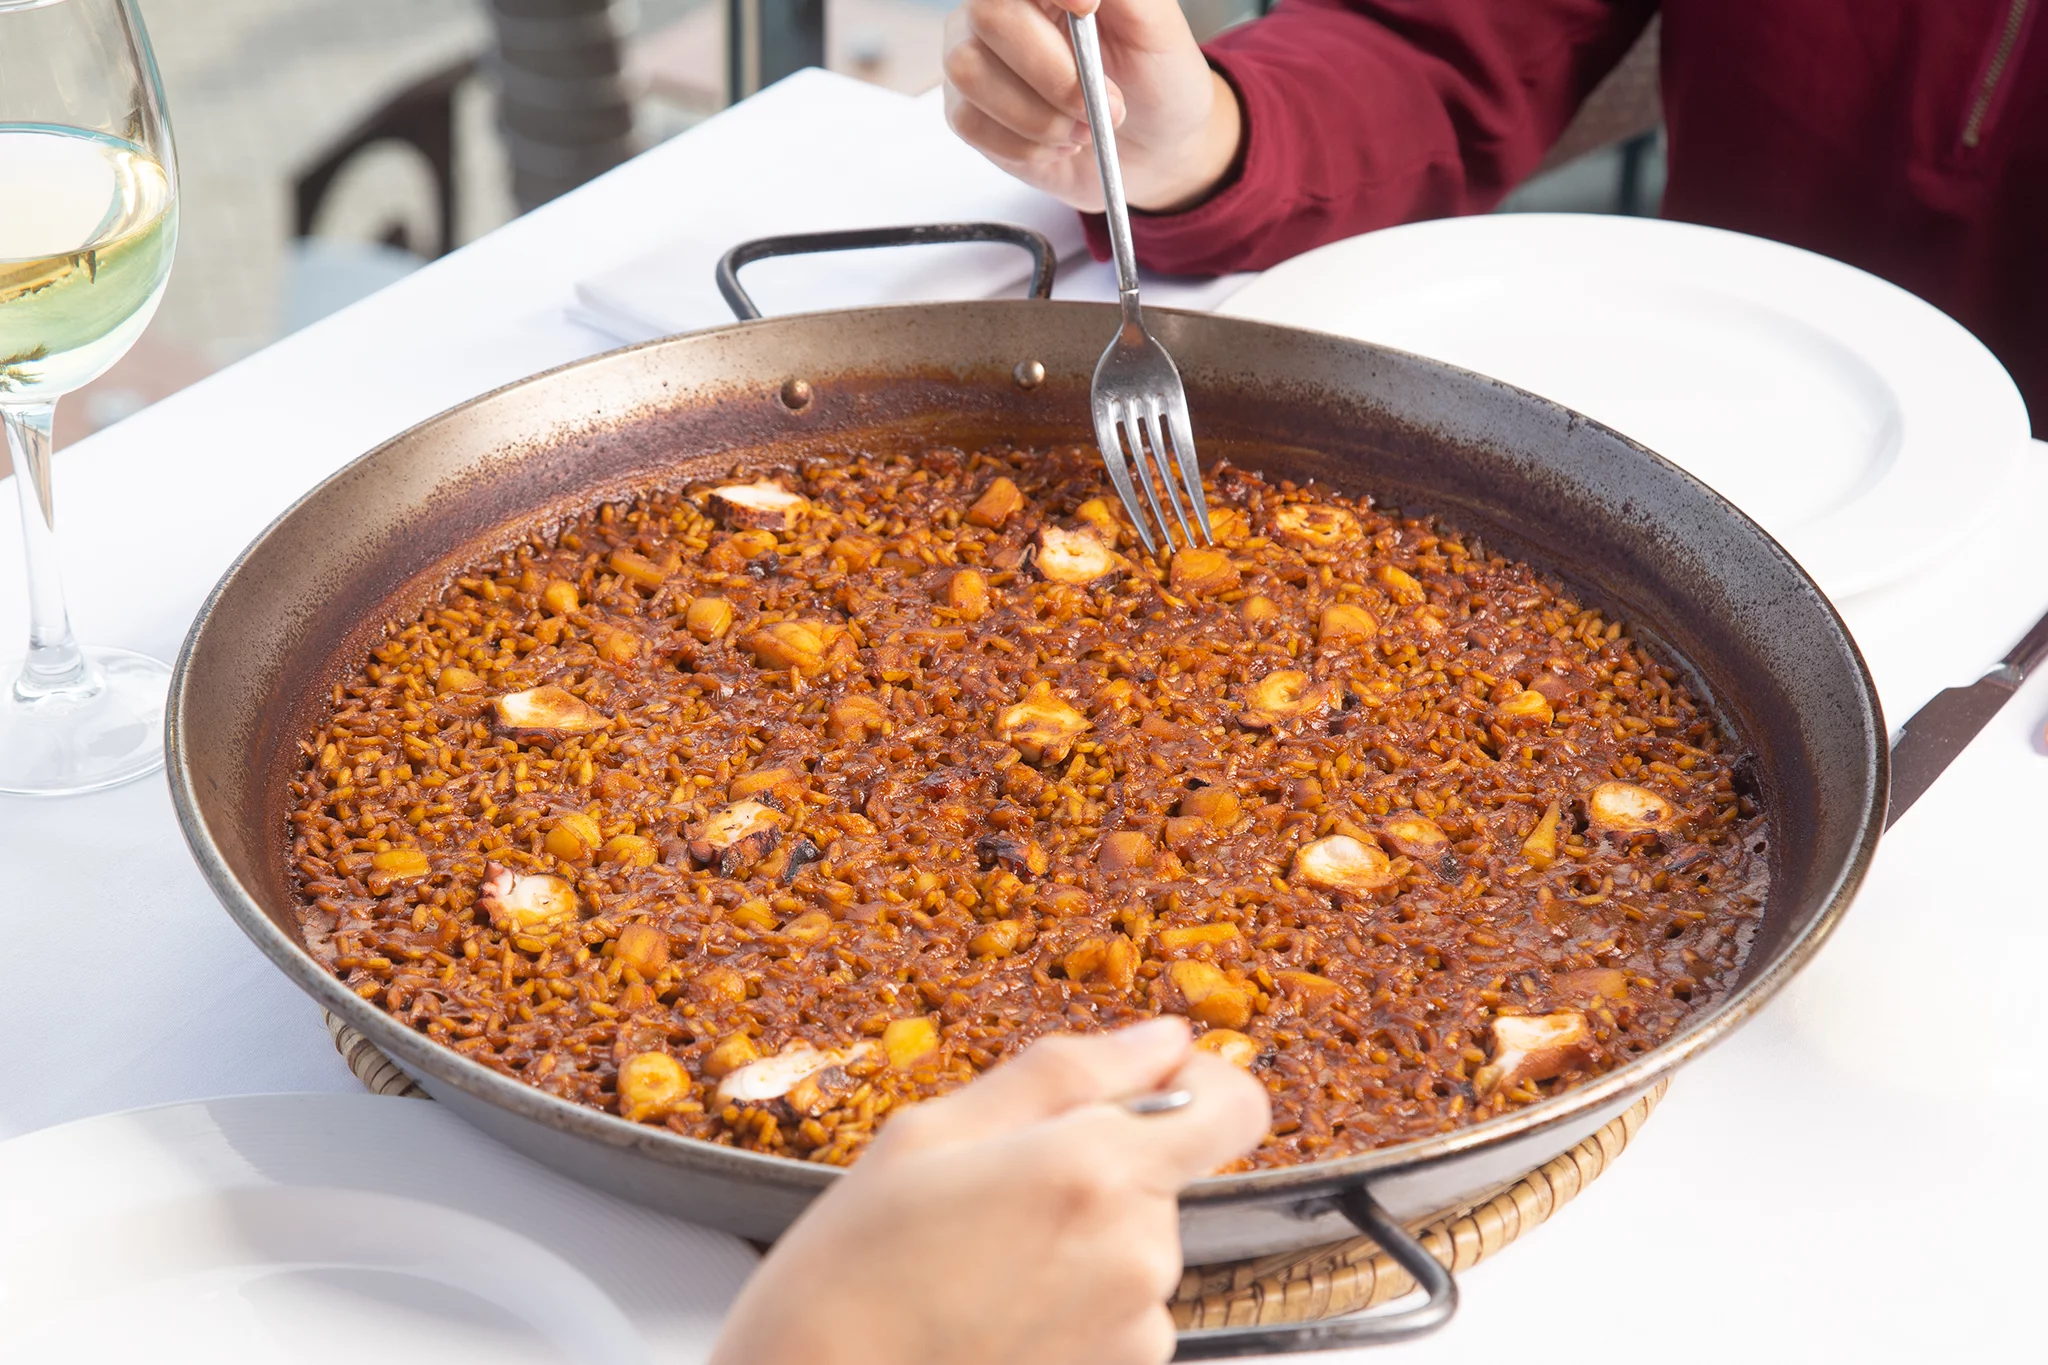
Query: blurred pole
x=562, y=99
x=769, y=39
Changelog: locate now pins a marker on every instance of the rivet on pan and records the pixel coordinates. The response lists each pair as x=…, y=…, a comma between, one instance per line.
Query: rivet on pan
x=796, y=394
x=1029, y=374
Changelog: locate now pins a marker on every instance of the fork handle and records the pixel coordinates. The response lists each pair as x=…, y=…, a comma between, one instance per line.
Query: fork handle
x=1095, y=94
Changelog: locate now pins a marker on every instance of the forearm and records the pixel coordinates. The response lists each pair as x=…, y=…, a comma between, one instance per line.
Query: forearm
x=1358, y=114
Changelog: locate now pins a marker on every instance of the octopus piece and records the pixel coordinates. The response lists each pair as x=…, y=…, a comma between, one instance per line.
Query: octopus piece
x=1314, y=525
x=1074, y=556
x=1042, y=727
x=1342, y=863
x=1345, y=621
x=1415, y=836
x=548, y=708
x=771, y=1078
x=1534, y=1047
x=1287, y=694
x=737, y=836
x=1624, y=808
x=763, y=505
x=1200, y=572
x=525, y=904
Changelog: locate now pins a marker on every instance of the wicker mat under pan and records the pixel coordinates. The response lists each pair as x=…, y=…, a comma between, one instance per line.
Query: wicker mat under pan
x=1294, y=1286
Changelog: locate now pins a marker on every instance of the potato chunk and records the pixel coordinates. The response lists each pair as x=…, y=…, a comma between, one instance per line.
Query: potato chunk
x=1042, y=727
x=1217, y=805
x=401, y=864
x=575, y=836
x=560, y=597
x=708, y=618
x=909, y=1041
x=637, y=569
x=1346, y=621
x=1342, y=863
x=1401, y=585
x=762, y=505
x=1285, y=695
x=732, y=1052
x=1525, y=709
x=1113, y=959
x=999, y=938
x=1202, y=572
x=456, y=679
x=783, y=786
x=997, y=504
x=1593, y=985
x=1074, y=556
x=1624, y=808
x=737, y=836
x=642, y=947
x=803, y=645
x=548, y=708
x=856, y=551
x=854, y=719
x=1534, y=1047
x=1212, y=998
x=1125, y=850
x=1195, y=935
x=651, y=1085
x=629, y=850
x=967, y=594
x=525, y=904
x=1315, y=526
x=1540, y=848
x=1236, y=1048
x=722, y=985
x=1415, y=836
x=1308, y=989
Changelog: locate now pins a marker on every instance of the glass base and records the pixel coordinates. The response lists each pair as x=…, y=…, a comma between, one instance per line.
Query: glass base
x=62, y=745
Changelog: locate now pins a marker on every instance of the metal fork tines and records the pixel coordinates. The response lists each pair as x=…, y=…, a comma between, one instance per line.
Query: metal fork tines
x=1139, y=403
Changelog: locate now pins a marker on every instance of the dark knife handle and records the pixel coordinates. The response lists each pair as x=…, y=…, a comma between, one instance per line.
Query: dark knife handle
x=2031, y=650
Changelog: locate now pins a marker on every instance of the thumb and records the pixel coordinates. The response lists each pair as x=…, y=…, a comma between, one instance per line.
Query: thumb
x=1065, y=1071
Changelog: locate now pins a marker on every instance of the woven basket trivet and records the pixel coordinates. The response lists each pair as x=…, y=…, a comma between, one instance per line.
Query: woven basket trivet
x=1293, y=1286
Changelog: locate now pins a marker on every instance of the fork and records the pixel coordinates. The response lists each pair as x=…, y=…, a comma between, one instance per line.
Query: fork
x=1137, y=398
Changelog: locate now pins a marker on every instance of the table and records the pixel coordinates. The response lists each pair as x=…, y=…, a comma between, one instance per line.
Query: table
x=1831, y=1183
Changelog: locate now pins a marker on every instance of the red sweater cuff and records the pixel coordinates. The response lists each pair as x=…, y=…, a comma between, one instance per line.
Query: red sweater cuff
x=1222, y=233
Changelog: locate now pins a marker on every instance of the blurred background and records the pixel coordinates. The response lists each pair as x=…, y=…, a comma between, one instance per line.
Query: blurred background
x=329, y=147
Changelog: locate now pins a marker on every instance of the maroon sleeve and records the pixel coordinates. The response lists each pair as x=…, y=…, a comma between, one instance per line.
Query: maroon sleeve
x=1359, y=114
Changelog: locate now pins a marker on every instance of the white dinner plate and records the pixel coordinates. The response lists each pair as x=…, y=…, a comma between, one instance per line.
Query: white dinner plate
x=324, y=1229
x=1861, y=426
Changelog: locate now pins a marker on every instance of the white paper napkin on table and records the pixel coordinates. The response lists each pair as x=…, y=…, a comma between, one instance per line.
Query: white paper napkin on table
x=846, y=155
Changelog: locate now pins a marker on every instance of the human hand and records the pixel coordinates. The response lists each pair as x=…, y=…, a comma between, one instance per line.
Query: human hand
x=1026, y=1218
x=1012, y=93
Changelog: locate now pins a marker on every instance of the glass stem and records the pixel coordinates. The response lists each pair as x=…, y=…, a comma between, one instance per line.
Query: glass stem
x=54, y=664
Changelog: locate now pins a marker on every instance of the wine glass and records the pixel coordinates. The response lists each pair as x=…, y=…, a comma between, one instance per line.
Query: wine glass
x=88, y=221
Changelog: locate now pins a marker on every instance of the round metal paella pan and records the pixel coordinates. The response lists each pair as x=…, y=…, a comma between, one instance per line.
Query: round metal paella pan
x=1690, y=572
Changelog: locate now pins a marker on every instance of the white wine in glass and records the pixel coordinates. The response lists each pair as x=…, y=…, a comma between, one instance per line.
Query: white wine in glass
x=88, y=224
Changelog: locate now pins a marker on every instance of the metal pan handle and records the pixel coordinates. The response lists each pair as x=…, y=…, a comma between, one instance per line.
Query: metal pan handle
x=1359, y=1329
x=1043, y=261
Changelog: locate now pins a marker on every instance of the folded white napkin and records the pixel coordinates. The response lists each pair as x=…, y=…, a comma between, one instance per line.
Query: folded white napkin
x=845, y=155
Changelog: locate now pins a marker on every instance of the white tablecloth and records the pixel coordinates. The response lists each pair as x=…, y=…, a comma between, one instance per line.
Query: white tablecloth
x=1855, y=1175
